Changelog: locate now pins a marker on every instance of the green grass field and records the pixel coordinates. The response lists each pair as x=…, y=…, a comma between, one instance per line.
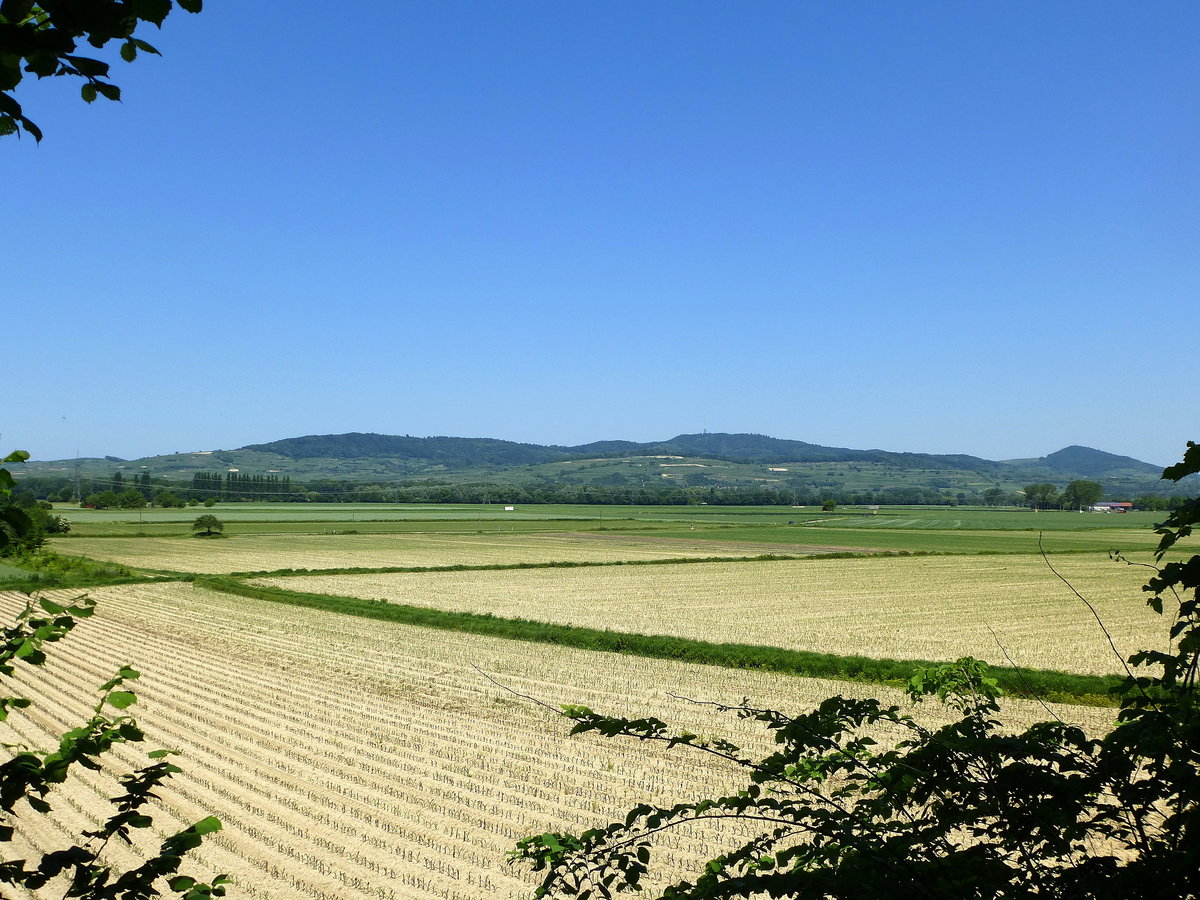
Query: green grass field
x=913, y=529
x=12, y=573
x=981, y=518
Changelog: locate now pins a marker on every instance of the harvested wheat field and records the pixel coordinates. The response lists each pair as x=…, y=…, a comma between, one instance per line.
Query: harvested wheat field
x=352, y=759
x=268, y=552
x=930, y=607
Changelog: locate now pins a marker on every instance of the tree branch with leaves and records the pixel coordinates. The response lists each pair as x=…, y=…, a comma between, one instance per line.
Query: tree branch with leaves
x=42, y=39
x=29, y=776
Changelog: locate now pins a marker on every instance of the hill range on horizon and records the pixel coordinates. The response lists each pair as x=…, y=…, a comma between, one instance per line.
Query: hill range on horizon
x=691, y=460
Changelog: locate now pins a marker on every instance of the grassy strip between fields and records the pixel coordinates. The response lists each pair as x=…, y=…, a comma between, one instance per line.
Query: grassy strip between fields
x=44, y=570
x=564, y=564
x=1058, y=687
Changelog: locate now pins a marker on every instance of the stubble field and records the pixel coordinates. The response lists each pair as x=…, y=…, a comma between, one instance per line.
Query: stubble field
x=354, y=759
x=267, y=552
x=934, y=607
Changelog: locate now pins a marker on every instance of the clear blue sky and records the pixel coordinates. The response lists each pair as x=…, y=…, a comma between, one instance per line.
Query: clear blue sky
x=928, y=226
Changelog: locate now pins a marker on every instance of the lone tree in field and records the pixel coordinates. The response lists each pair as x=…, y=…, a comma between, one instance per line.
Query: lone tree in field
x=207, y=525
x=967, y=810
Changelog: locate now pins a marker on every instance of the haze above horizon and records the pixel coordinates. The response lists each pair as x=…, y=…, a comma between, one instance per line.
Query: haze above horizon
x=931, y=227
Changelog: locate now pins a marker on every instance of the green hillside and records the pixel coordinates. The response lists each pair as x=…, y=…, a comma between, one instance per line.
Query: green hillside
x=694, y=461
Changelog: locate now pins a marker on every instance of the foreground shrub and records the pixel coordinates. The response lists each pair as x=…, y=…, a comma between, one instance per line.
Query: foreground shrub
x=965, y=810
x=30, y=776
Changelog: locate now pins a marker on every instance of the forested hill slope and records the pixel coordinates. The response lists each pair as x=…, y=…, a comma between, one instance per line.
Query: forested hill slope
x=449, y=451
x=757, y=448
x=760, y=448
x=699, y=461
x=1095, y=463
x=417, y=456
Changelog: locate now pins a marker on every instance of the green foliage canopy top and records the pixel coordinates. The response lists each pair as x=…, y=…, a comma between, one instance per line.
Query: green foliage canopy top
x=15, y=523
x=41, y=38
x=207, y=524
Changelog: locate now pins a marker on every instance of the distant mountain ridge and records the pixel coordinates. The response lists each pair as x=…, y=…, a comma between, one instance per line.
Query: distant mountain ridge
x=757, y=448
x=716, y=460
x=457, y=452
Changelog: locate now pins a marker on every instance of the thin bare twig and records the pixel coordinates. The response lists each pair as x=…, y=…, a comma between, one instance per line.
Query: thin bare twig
x=800, y=787
x=1091, y=608
x=1021, y=675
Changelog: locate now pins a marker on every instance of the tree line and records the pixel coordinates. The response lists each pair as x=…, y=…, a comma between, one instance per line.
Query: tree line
x=117, y=491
